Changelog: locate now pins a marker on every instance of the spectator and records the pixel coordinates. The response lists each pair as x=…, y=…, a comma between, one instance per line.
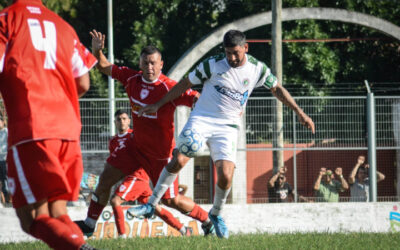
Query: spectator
x=359, y=181
x=3, y=156
x=328, y=189
x=279, y=190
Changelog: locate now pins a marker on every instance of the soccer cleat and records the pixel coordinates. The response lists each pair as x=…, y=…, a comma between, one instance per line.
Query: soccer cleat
x=122, y=236
x=141, y=211
x=208, y=229
x=86, y=230
x=188, y=232
x=219, y=224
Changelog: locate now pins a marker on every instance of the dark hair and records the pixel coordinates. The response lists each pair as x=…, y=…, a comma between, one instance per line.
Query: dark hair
x=149, y=50
x=234, y=38
x=363, y=169
x=120, y=112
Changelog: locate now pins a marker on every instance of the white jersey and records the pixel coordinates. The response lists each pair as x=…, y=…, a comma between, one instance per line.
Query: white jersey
x=227, y=89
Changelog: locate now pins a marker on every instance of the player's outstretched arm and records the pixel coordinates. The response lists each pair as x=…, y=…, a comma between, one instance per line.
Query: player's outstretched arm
x=98, y=40
x=174, y=93
x=284, y=96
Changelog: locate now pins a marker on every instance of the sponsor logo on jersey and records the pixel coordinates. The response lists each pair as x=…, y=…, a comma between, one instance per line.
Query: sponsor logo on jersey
x=237, y=96
x=222, y=74
x=34, y=10
x=137, y=105
x=144, y=93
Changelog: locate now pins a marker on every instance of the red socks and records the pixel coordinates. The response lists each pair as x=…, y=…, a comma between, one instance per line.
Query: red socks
x=95, y=210
x=74, y=227
x=170, y=219
x=119, y=219
x=55, y=233
x=198, y=213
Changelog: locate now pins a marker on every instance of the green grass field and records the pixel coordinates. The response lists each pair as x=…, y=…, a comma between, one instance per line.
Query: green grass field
x=250, y=241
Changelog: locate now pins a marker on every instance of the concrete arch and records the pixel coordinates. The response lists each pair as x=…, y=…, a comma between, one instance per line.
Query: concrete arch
x=192, y=55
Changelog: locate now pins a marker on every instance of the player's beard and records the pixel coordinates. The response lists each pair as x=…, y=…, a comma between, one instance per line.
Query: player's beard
x=235, y=63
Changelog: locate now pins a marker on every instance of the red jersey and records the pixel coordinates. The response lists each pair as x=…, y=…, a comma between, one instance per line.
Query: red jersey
x=120, y=141
x=41, y=56
x=154, y=133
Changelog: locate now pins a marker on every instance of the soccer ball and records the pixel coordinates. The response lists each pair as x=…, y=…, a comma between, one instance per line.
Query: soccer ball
x=190, y=143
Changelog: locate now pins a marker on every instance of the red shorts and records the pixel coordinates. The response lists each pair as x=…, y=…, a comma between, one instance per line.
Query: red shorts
x=47, y=169
x=129, y=158
x=133, y=188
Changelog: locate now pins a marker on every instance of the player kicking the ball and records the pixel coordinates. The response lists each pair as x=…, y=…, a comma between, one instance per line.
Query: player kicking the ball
x=228, y=81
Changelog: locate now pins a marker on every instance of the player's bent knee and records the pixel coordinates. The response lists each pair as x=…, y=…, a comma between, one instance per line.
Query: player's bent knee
x=116, y=201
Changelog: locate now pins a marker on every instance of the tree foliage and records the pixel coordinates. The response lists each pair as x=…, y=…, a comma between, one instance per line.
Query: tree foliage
x=175, y=25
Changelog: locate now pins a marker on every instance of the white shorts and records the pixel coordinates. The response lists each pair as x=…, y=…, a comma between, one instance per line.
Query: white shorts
x=221, y=139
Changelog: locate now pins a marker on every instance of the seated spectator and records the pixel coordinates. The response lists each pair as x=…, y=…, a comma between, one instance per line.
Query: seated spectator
x=359, y=181
x=327, y=188
x=278, y=188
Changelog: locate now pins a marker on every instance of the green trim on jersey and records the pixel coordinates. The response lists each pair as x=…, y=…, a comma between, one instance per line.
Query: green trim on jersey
x=218, y=57
x=200, y=76
x=264, y=70
x=270, y=81
x=252, y=59
x=206, y=65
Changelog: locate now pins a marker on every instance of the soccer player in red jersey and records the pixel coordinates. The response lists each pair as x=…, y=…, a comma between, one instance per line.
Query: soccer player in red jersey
x=136, y=185
x=44, y=69
x=153, y=140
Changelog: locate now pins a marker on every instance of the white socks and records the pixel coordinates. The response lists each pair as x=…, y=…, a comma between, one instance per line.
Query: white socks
x=219, y=200
x=164, y=182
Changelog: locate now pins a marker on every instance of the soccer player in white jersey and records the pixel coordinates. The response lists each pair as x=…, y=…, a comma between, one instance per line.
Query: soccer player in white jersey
x=228, y=81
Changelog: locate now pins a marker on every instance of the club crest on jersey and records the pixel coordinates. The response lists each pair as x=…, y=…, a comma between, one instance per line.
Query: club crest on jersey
x=245, y=82
x=122, y=188
x=144, y=93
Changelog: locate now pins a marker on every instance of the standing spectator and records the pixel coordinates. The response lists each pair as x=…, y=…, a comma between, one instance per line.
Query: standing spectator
x=3, y=156
x=279, y=190
x=43, y=71
x=328, y=189
x=359, y=181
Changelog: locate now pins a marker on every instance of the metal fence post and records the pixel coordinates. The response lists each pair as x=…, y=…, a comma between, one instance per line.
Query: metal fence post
x=294, y=158
x=371, y=144
x=111, y=91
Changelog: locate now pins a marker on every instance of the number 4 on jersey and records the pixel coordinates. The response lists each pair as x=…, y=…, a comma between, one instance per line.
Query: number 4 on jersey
x=47, y=43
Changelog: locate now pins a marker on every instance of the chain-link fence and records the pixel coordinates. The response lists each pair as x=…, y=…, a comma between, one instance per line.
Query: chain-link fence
x=340, y=138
